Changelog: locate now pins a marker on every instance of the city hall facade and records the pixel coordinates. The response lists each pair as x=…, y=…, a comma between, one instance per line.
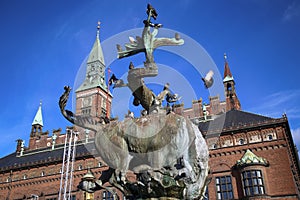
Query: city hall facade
x=250, y=156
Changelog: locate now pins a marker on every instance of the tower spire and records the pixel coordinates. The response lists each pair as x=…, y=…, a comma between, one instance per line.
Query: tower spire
x=36, y=127
x=96, y=53
x=95, y=68
x=38, y=119
x=227, y=73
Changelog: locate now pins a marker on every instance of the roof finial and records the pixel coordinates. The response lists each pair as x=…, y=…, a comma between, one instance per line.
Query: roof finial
x=98, y=28
x=225, y=57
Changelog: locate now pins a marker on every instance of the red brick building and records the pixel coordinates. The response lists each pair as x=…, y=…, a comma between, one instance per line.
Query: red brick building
x=251, y=156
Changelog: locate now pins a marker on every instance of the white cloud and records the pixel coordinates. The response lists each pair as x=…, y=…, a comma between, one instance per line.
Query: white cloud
x=292, y=11
x=279, y=98
x=274, y=105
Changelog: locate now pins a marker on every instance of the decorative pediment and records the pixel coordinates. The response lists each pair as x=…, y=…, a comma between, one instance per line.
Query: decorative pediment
x=250, y=158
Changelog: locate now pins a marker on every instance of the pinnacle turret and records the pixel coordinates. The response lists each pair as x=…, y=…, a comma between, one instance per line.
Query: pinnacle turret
x=38, y=119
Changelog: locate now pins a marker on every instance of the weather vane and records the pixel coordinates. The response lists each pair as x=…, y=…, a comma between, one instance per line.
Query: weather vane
x=225, y=57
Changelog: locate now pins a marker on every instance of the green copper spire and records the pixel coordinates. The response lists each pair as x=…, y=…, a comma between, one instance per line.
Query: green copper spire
x=96, y=53
x=95, y=69
x=250, y=158
x=38, y=119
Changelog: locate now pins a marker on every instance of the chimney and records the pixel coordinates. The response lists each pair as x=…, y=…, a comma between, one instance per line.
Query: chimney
x=178, y=108
x=19, y=144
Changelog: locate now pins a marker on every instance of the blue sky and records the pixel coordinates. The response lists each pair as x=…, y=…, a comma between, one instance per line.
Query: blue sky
x=43, y=44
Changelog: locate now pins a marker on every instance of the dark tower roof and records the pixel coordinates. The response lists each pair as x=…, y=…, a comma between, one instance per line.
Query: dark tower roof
x=227, y=71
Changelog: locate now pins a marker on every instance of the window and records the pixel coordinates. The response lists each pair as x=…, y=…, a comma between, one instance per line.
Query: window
x=224, y=188
x=80, y=167
x=103, y=102
x=103, y=112
x=34, y=197
x=42, y=173
x=229, y=87
x=270, y=137
x=8, y=179
x=86, y=111
x=206, y=197
x=253, y=183
x=107, y=195
x=241, y=141
x=24, y=176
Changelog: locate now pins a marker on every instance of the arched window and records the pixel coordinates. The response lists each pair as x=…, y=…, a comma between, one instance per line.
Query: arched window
x=241, y=141
x=229, y=87
x=270, y=137
x=215, y=146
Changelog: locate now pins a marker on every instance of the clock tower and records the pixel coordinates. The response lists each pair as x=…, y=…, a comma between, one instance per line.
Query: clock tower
x=93, y=97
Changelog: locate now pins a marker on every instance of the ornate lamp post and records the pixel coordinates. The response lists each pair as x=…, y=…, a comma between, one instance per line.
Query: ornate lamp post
x=86, y=184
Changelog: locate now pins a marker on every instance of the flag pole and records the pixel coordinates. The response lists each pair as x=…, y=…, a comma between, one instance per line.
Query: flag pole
x=107, y=102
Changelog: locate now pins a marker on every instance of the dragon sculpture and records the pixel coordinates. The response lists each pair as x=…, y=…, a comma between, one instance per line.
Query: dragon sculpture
x=166, y=153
